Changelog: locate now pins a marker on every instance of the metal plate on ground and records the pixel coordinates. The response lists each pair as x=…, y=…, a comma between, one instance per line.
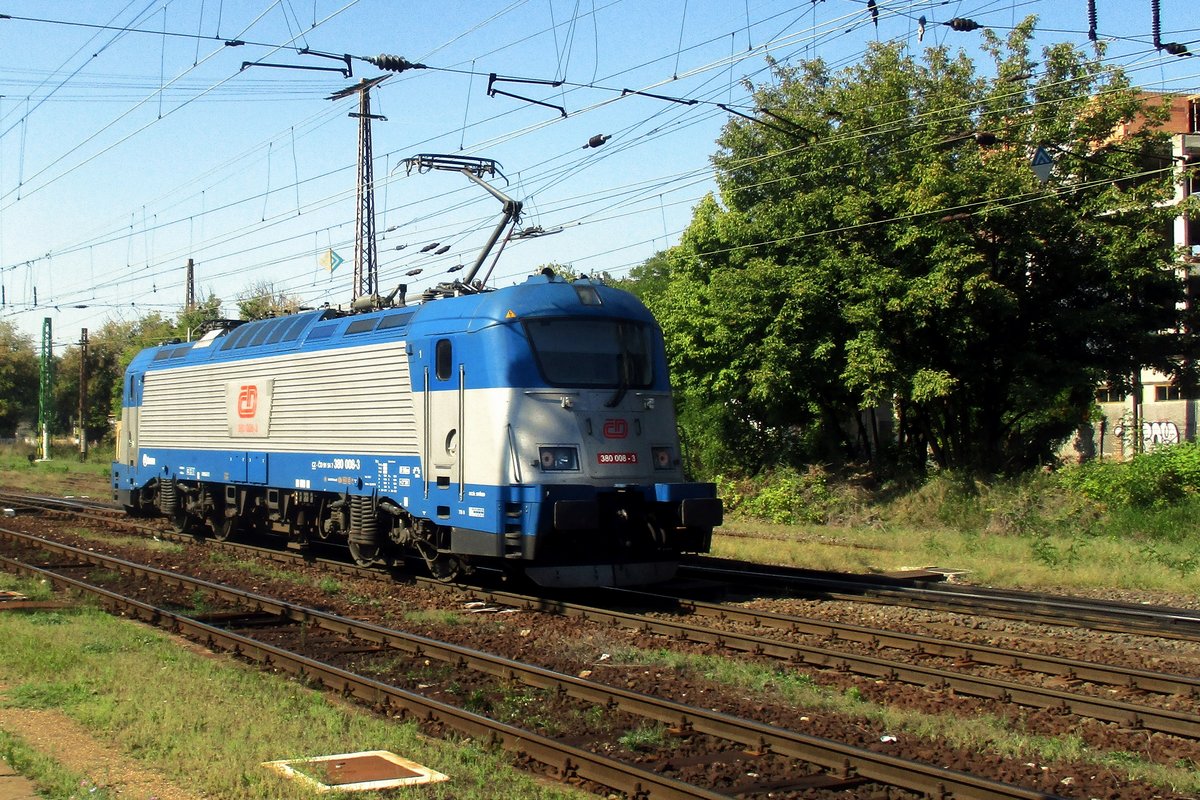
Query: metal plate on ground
x=356, y=772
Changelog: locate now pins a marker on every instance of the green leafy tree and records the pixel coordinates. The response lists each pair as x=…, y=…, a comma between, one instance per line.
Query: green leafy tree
x=263, y=300
x=19, y=370
x=190, y=323
x=880, y=240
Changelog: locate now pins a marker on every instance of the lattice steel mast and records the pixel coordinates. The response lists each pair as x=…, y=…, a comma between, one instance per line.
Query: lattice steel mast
x=366, y=278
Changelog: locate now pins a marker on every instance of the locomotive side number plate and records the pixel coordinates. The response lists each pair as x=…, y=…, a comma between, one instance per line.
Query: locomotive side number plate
x=616, y=458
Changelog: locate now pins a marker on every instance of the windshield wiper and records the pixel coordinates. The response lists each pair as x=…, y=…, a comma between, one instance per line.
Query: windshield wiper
x=622, y=382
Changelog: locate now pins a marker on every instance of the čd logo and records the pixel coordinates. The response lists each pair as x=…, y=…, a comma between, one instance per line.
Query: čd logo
x=616, y=429
x=247, y=401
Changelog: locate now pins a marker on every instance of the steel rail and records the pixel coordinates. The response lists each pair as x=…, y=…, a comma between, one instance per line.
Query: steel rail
x=1178, y=723
x=842, y=758
x=1114, y=616
x=1164, y=621
x=1068, y=668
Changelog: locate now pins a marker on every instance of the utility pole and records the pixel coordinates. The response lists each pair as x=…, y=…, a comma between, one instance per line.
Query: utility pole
x=83, y=378
x=366, y=280
x=189, y=302
x=44, y=399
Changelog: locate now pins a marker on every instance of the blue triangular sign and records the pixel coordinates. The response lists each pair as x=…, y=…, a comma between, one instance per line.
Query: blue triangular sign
x=1042, y=157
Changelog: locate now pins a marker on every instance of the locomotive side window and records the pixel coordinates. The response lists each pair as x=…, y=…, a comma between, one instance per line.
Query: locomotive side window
x=444, y=358
x=395, y=320
x=262, y=329
x=361, y=326
x=293, y=331
x=321, y=332
x=286, y=324
x=231, y=339
x=601, y=353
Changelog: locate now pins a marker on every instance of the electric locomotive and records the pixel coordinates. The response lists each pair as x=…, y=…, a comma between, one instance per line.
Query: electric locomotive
x=529, y=428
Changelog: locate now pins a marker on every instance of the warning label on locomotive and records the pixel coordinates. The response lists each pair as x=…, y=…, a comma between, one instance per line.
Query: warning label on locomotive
x=616, y=458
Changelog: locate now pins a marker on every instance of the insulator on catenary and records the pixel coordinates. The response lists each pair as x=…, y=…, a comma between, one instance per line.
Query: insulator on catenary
x=963, y=24
x=392, y=63
x=441, y=250
x=597, y=140
x=429, y=247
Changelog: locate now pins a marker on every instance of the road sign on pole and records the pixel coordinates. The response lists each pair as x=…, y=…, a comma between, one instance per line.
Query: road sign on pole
x=1043, y=164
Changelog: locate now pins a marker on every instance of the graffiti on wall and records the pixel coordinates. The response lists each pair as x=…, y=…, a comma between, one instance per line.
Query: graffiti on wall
x=1156, y=433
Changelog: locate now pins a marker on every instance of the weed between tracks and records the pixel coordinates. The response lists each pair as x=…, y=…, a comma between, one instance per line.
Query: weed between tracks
x=984, y=733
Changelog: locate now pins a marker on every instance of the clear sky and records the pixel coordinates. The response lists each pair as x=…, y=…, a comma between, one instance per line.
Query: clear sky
x=132, y=138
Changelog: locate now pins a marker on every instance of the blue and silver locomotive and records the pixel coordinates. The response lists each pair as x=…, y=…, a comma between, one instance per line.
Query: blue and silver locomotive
x=528, y=428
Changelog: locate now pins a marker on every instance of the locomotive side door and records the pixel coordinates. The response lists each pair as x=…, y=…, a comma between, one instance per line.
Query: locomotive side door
x=444, y=409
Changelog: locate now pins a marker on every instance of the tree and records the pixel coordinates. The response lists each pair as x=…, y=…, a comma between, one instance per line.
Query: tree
x=110, y=350
x=263, y=300
x=880, y=240
x=19, y=370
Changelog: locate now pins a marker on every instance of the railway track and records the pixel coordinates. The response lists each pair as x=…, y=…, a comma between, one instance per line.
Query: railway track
x=794, y=754
x=1050, y=609
x=753, y=579
x=1166, y=702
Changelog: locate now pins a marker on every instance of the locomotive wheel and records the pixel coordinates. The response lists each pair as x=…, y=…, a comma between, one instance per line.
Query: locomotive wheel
x=366, y=554
x=445, y=568
x=442, y=566
x=224, y=527
x=186, y=523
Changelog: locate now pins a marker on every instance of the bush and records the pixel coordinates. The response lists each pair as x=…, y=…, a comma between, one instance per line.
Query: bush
x=784, y=496
x=1157, y=479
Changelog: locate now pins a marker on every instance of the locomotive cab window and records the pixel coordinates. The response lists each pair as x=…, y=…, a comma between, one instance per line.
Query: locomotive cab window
x=596, y=353
x=443, y=359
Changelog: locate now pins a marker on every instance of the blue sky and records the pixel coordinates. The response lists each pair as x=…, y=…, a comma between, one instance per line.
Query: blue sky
x=132, y=139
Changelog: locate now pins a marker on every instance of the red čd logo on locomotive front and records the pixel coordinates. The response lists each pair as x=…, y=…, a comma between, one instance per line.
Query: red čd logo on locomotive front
x=616, y=429
x=247, y=401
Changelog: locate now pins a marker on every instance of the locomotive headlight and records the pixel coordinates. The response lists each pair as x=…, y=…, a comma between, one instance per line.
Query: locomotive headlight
x=559, y=458
x=661, y=456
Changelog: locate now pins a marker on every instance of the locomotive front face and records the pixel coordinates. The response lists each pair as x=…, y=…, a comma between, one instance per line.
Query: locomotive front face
x=599, y=469
x=615, y=423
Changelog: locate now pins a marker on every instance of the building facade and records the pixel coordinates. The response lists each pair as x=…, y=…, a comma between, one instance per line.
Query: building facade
x=1156, y=411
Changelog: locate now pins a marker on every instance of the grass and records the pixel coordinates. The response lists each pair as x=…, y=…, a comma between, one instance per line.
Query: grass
x=977, y=733
x=184, y=715
x=644, y=739
x=53, y=779
x=1030, y=533
x=64, y=473
x=32, y=589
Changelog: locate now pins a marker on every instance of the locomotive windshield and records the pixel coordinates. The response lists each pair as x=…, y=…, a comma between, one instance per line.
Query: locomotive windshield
x=598, y=353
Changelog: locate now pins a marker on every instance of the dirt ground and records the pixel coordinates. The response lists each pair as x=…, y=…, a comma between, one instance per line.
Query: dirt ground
x=60, y=738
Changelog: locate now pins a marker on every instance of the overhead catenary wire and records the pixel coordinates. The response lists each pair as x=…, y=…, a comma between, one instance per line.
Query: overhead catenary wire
x=551, y=207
